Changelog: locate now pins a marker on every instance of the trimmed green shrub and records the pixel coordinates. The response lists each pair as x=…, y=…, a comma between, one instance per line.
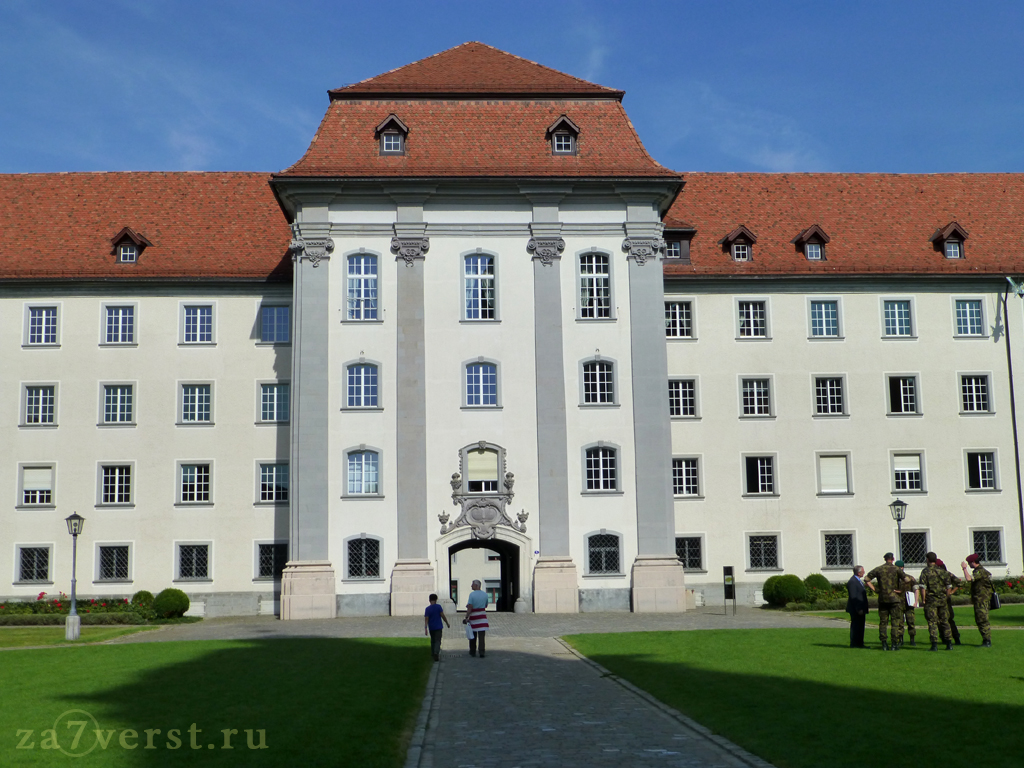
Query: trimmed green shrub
x=170, y=604
x=819, y=582
x=143, y=599
x=56, y=619
x=768, y=588
x=786, y=588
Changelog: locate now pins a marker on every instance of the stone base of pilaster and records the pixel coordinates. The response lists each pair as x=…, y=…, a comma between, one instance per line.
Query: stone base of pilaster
x=555, y=586
x=412, y=582
x=307, y=590
x=659, y=585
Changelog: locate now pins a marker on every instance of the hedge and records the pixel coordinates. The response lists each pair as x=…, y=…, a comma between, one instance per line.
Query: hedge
x=57, y=619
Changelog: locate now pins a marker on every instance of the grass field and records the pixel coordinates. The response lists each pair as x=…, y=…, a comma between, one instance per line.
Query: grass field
x=1007, y=616
x=21, y=637
x=789, y=695
x=318, y=702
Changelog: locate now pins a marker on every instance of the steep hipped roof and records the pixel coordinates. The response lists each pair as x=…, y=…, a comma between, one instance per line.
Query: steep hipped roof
x=476, y=111
x=201, y=225
x=473, y=69
x=877, y=223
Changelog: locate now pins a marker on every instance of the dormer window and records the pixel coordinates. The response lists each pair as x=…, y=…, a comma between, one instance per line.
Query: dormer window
x=563, y=135
x=949, y=240
x=128, y=245
x=128, y=253
x=673, y=249
x=739, y=244
x=812, y=243
x=392, y=134
x=677, y=243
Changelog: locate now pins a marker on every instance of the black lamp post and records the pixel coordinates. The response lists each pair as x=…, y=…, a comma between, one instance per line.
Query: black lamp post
x=899, y=514
x=75, y=525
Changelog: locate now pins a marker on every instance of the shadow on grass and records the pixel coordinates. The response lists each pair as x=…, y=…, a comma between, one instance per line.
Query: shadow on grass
x=308, y=702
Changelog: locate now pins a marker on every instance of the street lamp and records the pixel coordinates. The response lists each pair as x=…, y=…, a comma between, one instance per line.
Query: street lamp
x=899, y=514
x=73, y=625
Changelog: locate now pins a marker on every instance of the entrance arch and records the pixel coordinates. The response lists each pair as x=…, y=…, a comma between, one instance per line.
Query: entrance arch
x=508, y=562
x=515, y=552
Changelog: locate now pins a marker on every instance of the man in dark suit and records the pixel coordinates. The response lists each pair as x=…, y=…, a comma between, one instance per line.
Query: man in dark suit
x=857, y=606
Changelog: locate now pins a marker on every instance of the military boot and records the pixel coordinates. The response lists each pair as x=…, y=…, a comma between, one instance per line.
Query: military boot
x=956, y=640
x=935, y=646
x=949, y=645
x=885, y=645
x=986, y=643
x=912, y=642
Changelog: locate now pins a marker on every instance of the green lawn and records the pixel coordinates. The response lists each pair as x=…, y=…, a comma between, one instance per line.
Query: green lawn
x=1007, y=616
x=788, y=695
x=20, y=637
x=318, y=702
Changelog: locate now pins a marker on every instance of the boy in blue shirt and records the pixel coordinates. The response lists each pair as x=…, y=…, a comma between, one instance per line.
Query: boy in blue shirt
x=432, y=618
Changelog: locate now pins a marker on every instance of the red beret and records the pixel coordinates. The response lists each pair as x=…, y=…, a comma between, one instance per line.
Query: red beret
x=975, y=558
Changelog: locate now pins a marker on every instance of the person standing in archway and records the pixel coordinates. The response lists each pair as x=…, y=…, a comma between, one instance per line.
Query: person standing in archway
x=476, y=616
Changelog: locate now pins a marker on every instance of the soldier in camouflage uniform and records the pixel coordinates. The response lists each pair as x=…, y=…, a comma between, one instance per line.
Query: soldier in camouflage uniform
x=935, y=584
x=907, y=586
x=981, y=594
x=949, y=603
x=890, y=601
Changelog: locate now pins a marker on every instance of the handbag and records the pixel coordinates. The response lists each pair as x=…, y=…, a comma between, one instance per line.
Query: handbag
x=993, y=603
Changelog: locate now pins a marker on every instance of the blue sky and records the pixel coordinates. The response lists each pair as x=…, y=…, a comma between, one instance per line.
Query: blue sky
x=906, y=86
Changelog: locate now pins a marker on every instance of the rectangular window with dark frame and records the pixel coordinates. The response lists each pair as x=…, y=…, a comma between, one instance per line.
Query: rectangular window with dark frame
x=914, y=547
x=120, y=325
x=364, y=559
x=974, y=394
x=34, y=564
x=682, y=398
x=679, y=319
x=117, y=485
x=685, y=479
x=603, y=553
x=113, y=563
x=595, y=286
x=753, y=320
x=764, y=553
x=839, y=550
x=193, y=562
x=271, y=559
x=988, y=544
x=903, y=394
x=981, y=471
x=760, y=471
x=757, y=397
x=689, y=552
x=39, y=405
x=828, y=395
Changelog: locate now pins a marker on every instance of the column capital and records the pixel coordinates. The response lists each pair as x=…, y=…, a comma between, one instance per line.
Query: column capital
x=546, y=249
x=640, y=249
x=312, y=248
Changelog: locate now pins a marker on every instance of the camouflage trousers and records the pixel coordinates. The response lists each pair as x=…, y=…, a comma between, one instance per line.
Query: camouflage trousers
x=938, y=619
x=908, y=621
x=890, y=614
x=981, y=619
x=952, y=623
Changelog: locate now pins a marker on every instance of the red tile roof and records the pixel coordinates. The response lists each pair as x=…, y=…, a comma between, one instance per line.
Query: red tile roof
x=201, y=225
x=473, y=68
x=460, y=138
x=877, y=223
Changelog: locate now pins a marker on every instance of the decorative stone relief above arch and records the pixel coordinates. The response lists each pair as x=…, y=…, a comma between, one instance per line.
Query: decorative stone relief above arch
x=641, y=249
x=313, y=249
x=482, y=511
x=546, y=248
x=410, y=248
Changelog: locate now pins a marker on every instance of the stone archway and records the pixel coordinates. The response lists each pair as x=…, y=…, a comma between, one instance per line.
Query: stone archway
x=509, y=578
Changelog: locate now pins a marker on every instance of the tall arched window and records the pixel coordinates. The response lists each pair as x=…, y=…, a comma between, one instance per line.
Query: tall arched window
x=601, y=469
x=481, y=384
x=362, y=386
x=479, y=282
x=362, y=286
x=363, y=473
x=598, y=382
x=595, y=286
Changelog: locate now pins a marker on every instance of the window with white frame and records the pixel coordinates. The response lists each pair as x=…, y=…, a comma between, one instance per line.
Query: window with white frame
x=903, y=394
x=193, y=562
x=897, y=318
x=362, y=385
x=479, y=283
x=481, y=468
x=481, y=384
x=198, y=324
x=33, y=564
x=40, y=402
x=953, y=249
x=270, y=560
x=989, y=546
x=974, y=394
x=363, y=559
x=195, y=484
x=363, y=473
x=118, y=405
x=824, y=319
x=120, y=325
x=760, y=475
x=127, y=253
x=598, y=382
x=969, y=318
x=740, y=252
x=753, y=319
x=907, y=472
x=601, y=469
x=689, y=550
x=37, y=486
x=834, y=474
x=603, y=553
x=275, y=324
x=113, y=563
x=763, y=551
x=838, y=550
x=392, y=143
x=563, y=143
x=914, y=546
x=362, y=287
x=756, y=397
x=273, y=482
x=116, y=484
x=275, y=402
x=679, y=319
x=673, y=249
x=828, y=395
x=812, y=251
x=685, y=477
x=981, y=471
x=682, y=398
x=42, y=325
x=195, y=404
x=595, y=286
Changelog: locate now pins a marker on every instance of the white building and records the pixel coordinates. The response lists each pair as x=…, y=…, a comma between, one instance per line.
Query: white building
x=461, y=344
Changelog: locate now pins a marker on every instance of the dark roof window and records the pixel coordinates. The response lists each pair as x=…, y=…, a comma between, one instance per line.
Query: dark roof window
x=949, y=240
x=564, y=135
x=128, y=245
x=811, y=242
x=392, y=134
x=739, y=244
